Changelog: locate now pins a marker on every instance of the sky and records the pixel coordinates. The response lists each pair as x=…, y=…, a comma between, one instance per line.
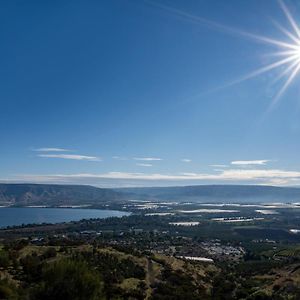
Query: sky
x=148, y=93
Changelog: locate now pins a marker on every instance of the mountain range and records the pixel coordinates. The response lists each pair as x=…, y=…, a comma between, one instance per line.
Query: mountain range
x=218, y=193
x=55, y=195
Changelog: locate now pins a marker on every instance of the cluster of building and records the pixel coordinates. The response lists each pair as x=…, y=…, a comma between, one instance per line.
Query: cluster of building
x=221, y=251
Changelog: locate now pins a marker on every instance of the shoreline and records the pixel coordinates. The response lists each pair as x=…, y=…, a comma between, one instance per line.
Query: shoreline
x=39, y=216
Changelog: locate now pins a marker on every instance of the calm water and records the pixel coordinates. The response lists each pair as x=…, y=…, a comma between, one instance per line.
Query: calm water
x=17, y=216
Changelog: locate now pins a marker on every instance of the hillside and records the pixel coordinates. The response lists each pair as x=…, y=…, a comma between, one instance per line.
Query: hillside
x=90, y=272
x=44, y=194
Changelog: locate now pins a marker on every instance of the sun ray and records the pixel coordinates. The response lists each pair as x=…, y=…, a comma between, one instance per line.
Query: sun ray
x=286, y=32
x=272, y=41
x=286, y=85
x=224, y=28
x=289, y=17
x=264, y=69
x=283, y=53
x=286, y=71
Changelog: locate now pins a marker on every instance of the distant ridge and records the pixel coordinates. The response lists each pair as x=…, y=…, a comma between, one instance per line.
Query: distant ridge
x=55, y=195
x=219, y=193
x=51, y=194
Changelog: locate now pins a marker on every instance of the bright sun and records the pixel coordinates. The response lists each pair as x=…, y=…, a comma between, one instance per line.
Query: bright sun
x=287, y=56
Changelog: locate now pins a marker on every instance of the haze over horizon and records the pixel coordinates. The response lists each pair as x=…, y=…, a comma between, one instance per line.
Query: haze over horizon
x=150, y=93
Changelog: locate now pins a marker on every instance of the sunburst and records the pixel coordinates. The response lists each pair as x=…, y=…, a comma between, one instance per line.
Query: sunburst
x=287, y=56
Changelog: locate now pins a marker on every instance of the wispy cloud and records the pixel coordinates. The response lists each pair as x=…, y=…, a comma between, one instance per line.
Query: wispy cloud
x=51, y=150
x=187, y=160
x=188, y=174
x=147, y=158
x=119, y=157
x=218, y=166
x=71, y=156
x=144, y=165
x=250, y=162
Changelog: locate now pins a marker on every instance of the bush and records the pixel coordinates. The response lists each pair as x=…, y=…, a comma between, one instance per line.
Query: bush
x=4, y=259
x=8, y=290
x=49, y=253
x=32, y=266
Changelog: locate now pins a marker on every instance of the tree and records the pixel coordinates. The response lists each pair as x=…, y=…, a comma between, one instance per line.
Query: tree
x=69, y=280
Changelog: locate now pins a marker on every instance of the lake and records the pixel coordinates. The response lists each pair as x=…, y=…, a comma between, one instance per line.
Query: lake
x=10, y=216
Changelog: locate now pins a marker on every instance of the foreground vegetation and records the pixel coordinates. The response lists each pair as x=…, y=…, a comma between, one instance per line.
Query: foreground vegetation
x=95, y=271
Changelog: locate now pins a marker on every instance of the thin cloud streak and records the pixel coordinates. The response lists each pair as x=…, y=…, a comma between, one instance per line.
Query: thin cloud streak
x=218, y=166
x=71, y=156
x=187, y=160
x=119, y=157
x=52, y=150
x=147, y=158
x=250, y=162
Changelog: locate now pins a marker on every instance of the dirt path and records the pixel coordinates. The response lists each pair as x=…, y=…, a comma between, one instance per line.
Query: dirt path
x=150, y=277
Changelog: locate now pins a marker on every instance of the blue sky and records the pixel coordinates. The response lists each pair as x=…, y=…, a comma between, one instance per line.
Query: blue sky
x=132, y=93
